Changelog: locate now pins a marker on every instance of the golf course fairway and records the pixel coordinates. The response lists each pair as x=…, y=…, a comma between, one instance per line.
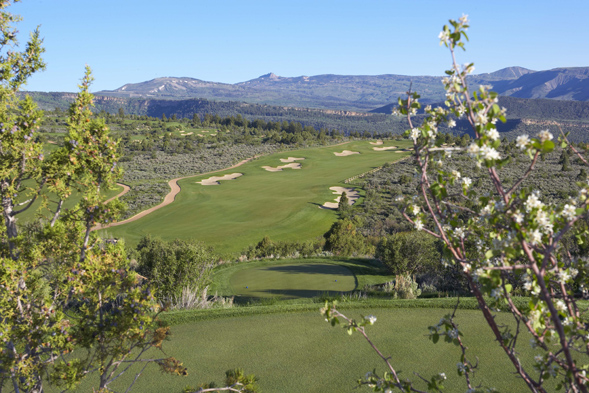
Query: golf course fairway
x=284, y=205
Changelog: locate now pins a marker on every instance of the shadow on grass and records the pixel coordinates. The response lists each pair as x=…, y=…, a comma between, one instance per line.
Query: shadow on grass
x=311, y=268
x=272, y=296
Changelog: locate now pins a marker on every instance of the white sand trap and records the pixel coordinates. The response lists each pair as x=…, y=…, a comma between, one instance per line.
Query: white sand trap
x=346, y=153
x=291, y=159
x=190, y=133
x=214, y=181
x=294, y=165
x=200, y=135
x=350, y=193
x=385, y=148
x=377, y=143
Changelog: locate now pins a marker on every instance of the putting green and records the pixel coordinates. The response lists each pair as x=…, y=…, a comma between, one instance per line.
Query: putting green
x=240, y=212
x=293, y=281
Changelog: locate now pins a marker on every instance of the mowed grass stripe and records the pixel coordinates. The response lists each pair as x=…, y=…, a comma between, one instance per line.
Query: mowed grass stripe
x=300, y=352
x=291, y=281
x=240, y=212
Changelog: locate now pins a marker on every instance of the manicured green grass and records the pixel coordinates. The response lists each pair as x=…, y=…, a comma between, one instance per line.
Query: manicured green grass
x=240, y=212
x=35, y=210
x=299, y=352
x=296, y=278
x=293, y=281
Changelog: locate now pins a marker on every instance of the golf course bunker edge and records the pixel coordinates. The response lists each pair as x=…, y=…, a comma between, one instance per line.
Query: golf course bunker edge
x=290, y=281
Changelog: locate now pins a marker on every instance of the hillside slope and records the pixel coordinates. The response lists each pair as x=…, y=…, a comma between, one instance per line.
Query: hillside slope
x=360, y=92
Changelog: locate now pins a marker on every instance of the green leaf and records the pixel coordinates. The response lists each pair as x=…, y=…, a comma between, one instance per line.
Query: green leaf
x=435, y=338
x=548, y=146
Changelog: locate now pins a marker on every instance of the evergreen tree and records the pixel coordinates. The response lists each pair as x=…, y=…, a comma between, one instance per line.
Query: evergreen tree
x=343, y=204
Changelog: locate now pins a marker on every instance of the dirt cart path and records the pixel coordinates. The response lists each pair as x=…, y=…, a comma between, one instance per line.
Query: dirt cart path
x=126, y=189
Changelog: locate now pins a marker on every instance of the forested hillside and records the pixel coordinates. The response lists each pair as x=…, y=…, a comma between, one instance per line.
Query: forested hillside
x=524, y=115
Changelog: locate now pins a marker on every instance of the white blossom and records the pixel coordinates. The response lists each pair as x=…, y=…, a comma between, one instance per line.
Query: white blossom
x=544, y=221
x=444, y=36
x=468, y=68
x=473, y=149
x=533, y=202
x=451, y=123
x=442, y=375
x=415, y=133
x=466, y=181
x=493, y=134
x=463, y=19
x=535, y=237
x=518, y=217
x=418, y=224
x=489, y=153
x=563, y=276
x=459, y=232
x=560, y=305
x=522, y=141
x=456, y=174
x=569, y=211
x=545, y=135
x=370, y=318
x=481, y=118
x=460, y=111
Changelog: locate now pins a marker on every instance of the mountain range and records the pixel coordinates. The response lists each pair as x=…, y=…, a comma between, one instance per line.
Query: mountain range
x=360, y=92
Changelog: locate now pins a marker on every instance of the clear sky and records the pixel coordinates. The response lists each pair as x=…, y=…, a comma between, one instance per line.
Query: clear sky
x=130, y=41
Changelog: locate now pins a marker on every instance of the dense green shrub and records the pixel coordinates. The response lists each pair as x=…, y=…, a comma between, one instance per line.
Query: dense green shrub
x=408, y=252
x=343, y=239
x=173, y=266
x=267, y=248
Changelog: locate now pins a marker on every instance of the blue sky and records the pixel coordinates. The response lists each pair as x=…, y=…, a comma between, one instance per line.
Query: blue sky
x=129, y=41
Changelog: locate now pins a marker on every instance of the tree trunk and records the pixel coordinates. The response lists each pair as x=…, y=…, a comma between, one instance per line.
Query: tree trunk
x=9, y=222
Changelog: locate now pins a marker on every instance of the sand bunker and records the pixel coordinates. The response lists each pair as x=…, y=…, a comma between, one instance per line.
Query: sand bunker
x=214, y=181
x=350, y=193
x=384, y=148
x=346, y=153
x=291, y=159
x=378, y=142
x=294, y=165
x=190, y=133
